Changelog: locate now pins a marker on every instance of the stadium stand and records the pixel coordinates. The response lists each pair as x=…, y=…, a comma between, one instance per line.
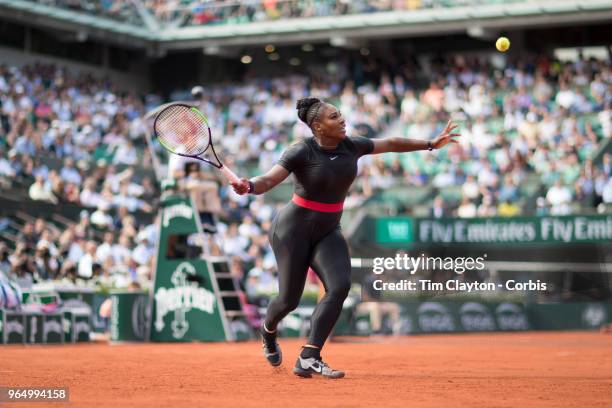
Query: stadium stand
x=90, y=141
x=120, y=10
x=536, y=140
x=197, y=12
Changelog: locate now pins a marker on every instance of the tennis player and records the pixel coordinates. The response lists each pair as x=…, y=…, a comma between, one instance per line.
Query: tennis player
x=306, y=232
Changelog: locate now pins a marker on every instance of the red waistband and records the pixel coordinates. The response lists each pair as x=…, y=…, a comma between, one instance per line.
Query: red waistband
x=317, y=206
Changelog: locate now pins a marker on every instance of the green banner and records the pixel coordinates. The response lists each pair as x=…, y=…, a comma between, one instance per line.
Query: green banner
x=571, y=315
x=444, y=316
x=495, y=230
x=185, y=305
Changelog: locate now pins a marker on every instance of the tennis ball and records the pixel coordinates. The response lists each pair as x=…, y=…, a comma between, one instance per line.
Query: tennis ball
x=502, y=44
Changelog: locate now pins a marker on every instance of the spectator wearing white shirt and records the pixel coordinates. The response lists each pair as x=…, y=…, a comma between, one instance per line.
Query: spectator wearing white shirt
x=87, y=260
x=559, y=197
x=547, y=128
x=122, y=251
x=607, y=192
x=143, y=253
x=470, y=188
x=76, y=249
x=566, y=97
x=487, y=177
x=123, y=199
x=105, y=250
x=39, y=191
x=467, y=209
x=126, y=153
x=6, y=170
x=89, y=197
x=100, y=218
x=235, y=244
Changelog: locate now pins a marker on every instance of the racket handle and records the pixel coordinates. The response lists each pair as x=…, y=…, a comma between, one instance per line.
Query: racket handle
x=229, y=175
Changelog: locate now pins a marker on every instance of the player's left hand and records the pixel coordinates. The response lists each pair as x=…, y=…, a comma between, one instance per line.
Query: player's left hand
x=447, y=136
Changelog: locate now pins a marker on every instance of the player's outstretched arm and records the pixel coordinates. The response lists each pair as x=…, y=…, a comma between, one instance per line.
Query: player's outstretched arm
x=401, y=144
x=263, y=183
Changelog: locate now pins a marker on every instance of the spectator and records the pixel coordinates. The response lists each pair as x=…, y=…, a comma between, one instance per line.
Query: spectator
x=487, y=207
x=607, y=192
x=438, y=209
x=100, y=218
x=69, y=173
x=559, y=197
x=467, y=209
x=104, y=251
x=508, y=209
x=39, y=191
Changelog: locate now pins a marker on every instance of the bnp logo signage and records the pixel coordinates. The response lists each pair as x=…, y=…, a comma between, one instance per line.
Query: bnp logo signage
x=180, y=299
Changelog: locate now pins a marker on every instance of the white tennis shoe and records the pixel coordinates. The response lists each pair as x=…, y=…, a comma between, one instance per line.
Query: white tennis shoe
x=307, y=367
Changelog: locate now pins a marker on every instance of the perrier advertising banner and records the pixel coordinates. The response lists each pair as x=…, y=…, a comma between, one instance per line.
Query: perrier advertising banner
x=185, y=304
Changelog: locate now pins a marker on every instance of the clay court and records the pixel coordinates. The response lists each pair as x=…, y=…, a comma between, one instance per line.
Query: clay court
x=490, y=370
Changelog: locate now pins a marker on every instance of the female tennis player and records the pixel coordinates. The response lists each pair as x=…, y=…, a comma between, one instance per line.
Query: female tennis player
x=306, y=232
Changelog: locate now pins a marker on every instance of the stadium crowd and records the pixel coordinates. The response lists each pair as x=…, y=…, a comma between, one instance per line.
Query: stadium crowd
x=75, y=139
x=538, y=117
x=205, y=12
x=209, y=12
x=121, y=10
x=71, y=139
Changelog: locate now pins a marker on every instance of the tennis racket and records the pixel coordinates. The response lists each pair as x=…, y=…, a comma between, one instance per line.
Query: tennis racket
x=183, y=130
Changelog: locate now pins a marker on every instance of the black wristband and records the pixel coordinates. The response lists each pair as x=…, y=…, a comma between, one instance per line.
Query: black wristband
x=429, y=146
x=251, y=187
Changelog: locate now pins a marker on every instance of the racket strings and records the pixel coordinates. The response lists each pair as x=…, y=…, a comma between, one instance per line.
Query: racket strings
x=182, y=130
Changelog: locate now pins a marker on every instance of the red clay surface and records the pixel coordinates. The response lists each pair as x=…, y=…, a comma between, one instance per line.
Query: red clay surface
x=484, y=370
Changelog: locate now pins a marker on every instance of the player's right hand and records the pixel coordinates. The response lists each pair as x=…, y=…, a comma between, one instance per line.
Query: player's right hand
x=241, y=187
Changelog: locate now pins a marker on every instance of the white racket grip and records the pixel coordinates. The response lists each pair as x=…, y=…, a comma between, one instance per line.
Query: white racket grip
x=229, y=175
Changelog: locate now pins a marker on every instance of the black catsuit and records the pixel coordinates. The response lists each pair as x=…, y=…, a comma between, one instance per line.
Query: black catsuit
x=303, y=237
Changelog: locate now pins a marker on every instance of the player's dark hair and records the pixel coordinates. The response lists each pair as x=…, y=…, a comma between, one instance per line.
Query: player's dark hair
x=308, y=109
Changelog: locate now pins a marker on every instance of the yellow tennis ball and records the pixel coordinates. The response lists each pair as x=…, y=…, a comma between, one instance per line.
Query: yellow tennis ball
x=502, y=44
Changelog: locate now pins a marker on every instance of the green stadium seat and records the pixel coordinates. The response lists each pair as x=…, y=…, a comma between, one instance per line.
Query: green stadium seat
x=451, y=193
x=530, y=186
x=102, y=154
x=399, y=199
x=421, y=210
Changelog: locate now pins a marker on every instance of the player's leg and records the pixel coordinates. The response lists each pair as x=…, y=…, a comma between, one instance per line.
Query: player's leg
x=332, y=264
x=292, y=259
x=292, y=254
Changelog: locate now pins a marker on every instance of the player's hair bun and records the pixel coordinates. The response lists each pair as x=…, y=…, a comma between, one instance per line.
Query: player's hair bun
x=303, y=106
